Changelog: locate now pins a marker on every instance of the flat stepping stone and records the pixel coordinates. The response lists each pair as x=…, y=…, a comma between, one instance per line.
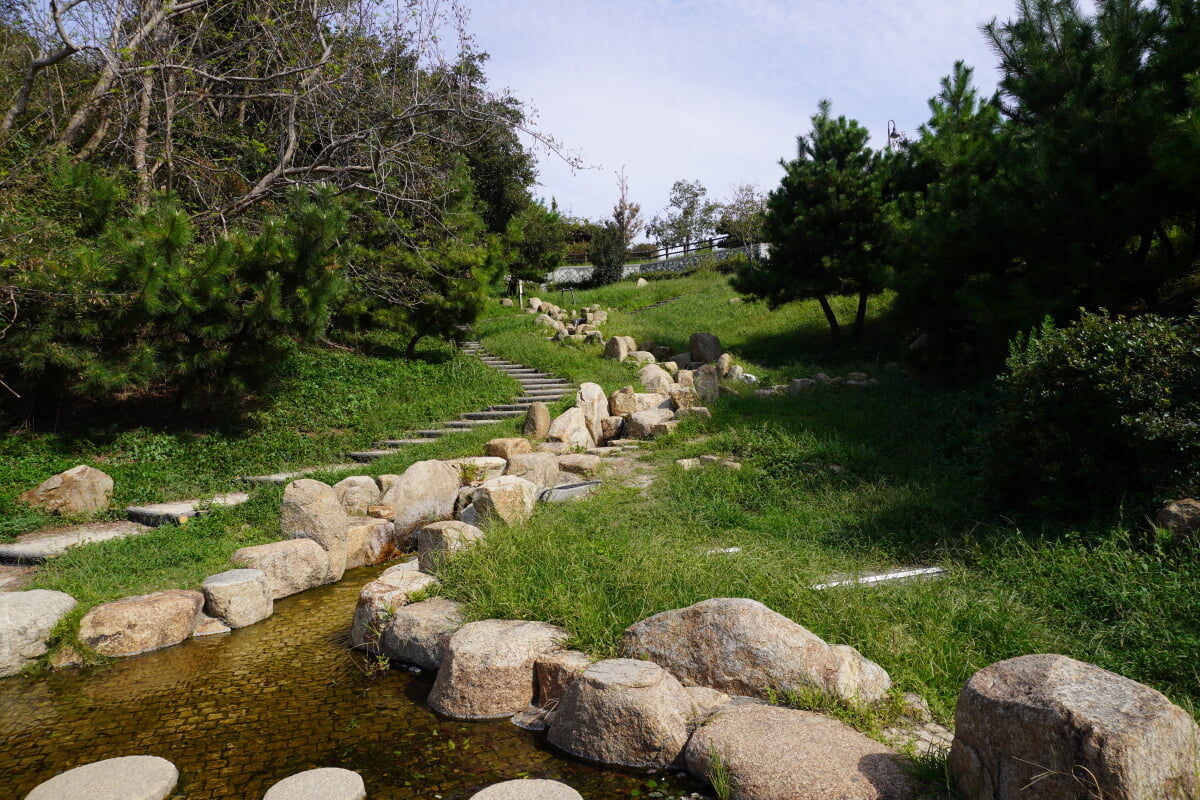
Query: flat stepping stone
x=881, y=577
x=280, y=478
x=326, y=783
x=125, y=778
x=37, y=547
x=529, y=789
x=570, y=491
x=180, y=511
x=466, y=424
x=394, y=443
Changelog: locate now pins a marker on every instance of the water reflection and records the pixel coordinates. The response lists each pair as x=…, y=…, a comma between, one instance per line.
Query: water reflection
x=238, y=712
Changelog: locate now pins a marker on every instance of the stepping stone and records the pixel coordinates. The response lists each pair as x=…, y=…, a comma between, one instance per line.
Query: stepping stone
x=572, y=491
x=891, y=575
x=433, y=433
x=325, y=783
x=125, y=778
x=522, y=407
x=280, y=478
x=492, y=415
x=394, y=443
x=367, y=456
x=181, y=511
x=37, y=547
x=467, y=424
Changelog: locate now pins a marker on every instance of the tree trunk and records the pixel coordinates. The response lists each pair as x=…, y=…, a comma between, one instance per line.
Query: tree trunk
x=411, y=351
x=860, y=317
x=835, y=330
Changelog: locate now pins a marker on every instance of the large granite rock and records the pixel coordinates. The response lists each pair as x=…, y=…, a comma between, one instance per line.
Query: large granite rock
x=1044, y=727
x=477, y=469
x=507, y=448
x=704, y=348
x=78, y=491
x=641, y=425
x=124, y=778
x=311, y=510
x=357, y=493
x=238, y=597
x=626, y=401
x=742, y=647
x=439, y=541
x=540, y=469
x=574, y=467
x=528, y=789
x=26, y=620
x=325, y=783
x=141, y=623
x=571, y=429
x=382, y=596
x=537, y=421
x=772, y=753
x=655, y=379
x=418, y=633
x=291, y=566
x=506, y=499
x=488, y=668
x=423, y=493
x=554, y=671
x=370, y=541
x=623, y=711
x=591, y=400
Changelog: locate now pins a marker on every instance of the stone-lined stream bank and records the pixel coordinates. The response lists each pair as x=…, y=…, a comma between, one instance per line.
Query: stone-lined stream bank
x=238, y=713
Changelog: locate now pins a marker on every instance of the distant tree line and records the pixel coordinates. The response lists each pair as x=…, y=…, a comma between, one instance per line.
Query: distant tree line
x=190, y=187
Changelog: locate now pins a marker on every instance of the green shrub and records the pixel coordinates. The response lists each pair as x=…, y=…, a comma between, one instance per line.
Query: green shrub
x=608, y=255
x=1099, y=413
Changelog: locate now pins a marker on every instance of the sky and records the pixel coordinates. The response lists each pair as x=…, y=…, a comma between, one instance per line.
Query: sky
x=715, y=90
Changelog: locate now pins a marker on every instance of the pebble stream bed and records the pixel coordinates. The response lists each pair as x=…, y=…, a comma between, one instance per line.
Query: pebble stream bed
x=238, y=712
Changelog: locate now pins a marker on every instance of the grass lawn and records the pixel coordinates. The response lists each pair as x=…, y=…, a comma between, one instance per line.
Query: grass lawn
x=835, y=481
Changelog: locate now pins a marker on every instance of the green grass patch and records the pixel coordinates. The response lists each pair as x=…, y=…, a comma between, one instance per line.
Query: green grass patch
x=330, y=403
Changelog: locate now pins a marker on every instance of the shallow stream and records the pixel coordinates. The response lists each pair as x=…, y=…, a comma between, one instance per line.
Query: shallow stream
x=238, y=712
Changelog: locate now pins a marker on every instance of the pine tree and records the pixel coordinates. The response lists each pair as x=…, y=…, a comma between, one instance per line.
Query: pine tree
x=824, y=223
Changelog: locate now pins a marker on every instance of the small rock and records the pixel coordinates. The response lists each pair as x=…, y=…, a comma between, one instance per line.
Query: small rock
x=695, y=411
x=238, y=597
x=477, y=469
x=663, y=428
x=370, y=541
x=578, y=465
x=571, y=429
x=860, y=377
x=705, y=703
x=209, y=626
x=124, y=778
x=642, y=282
x=506, y=302
x=326, y=783
x=507, y=448
x=1181, y=518
x=488, y=668
x=642, y=357
x=357, y=493
x=555, y=671
x=78, y=491
x=616, y=348
x=537, y=421
x=724, y=364
x=733, y=301
x=381, y=512
x=626, y=401
x=801, y=385
x=655, y=379
x=708, y=385
x=688, y=463
x=557, y=448
x=640, y=424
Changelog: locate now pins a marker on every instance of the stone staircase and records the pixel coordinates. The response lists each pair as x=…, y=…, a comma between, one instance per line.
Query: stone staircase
x=535, y=387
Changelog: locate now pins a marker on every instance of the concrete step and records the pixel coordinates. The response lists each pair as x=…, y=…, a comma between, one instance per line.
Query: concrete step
x=521, y=408
x=280, y=478
x=180, y=511
x=367, y=456
x=392, y=444
x=467, y=424
x=493, y=415
x=34, y=548
x=545, y=383
x=540, y=398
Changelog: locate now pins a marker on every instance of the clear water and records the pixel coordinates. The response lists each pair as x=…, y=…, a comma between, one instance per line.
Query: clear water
x=238, y=712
